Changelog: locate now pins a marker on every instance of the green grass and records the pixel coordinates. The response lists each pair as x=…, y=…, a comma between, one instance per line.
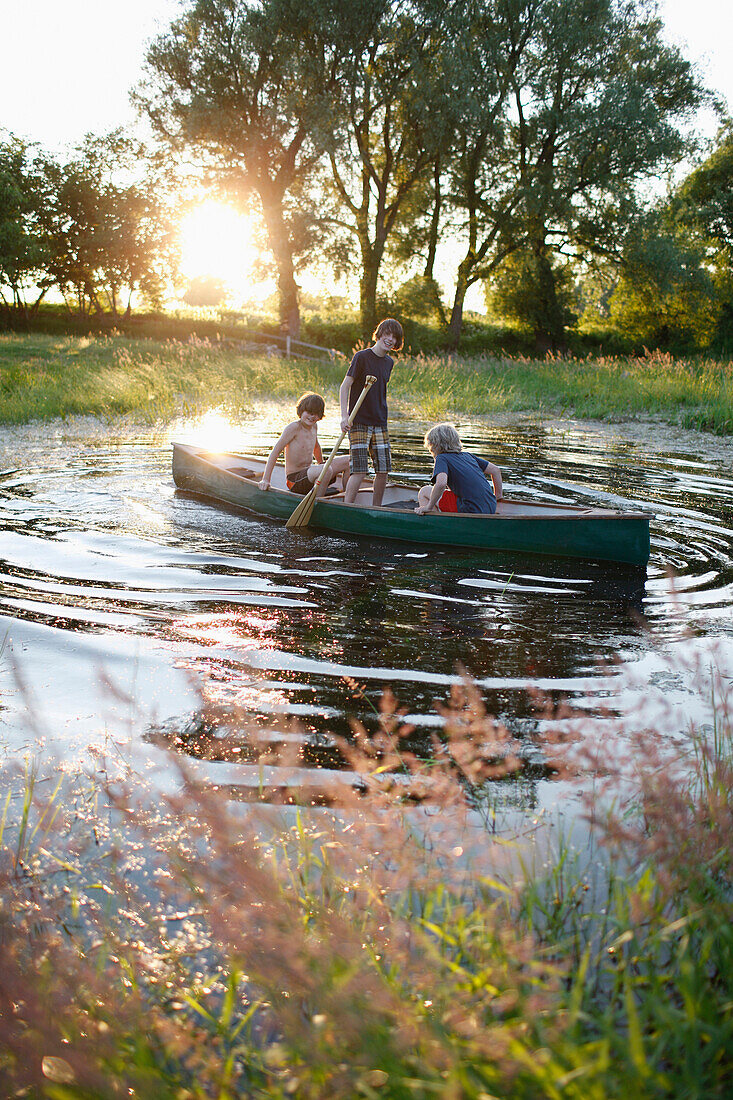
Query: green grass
x=42, y=377
x=694, y=393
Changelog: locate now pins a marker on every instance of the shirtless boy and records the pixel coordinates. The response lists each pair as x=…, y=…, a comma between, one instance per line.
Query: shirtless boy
x=300, y=443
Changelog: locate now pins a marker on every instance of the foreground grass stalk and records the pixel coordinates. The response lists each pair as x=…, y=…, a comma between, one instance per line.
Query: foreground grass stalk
x=385, y=947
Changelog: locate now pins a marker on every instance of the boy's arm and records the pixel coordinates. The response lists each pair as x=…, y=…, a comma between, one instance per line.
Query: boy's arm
x=317, y=452
x=344, y=392
x=275, y=453
x=494, y=473
x=441, y=484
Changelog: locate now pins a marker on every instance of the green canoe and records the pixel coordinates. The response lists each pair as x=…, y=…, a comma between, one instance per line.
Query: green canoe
x=560, y=530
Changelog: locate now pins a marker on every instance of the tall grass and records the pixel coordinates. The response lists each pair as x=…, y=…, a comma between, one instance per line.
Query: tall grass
x=694, y=392
x=385, y=947
x=43, y=377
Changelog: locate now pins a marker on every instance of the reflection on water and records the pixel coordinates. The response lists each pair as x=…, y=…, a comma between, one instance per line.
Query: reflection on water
x=103, y=565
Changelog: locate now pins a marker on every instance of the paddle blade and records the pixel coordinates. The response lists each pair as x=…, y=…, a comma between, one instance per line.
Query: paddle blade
x=301, y=515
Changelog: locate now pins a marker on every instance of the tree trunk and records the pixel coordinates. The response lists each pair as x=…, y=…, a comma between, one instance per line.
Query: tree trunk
x=289, y=307
x=282, y=250
x=368, y=293
x=36, y=305
x=429, y=272
x=456, y=318
x=550, y=327
x=434, y=224
x=20, y=312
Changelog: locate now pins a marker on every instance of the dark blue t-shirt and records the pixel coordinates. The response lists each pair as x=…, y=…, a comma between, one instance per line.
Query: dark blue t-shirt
x=374, y=407
x=467, y=480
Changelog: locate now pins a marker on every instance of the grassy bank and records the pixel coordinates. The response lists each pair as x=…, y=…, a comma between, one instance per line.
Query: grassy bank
x=383, y=948
x=42, y=377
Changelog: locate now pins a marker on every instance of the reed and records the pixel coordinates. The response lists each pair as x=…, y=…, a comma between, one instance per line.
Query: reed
x=42, y=377
x=385, y=947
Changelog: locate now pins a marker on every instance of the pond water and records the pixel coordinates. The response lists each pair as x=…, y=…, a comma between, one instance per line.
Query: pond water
x=119, y=596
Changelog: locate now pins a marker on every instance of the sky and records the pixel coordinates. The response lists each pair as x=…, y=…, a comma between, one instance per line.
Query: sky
x=66, y=67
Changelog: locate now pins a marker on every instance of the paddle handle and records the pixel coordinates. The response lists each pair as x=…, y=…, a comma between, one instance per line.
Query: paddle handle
x=368, y=383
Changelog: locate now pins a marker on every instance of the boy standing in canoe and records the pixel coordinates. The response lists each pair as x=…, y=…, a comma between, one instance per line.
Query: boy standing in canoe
x=300, y=443
x=460, y=480
x=368, y=434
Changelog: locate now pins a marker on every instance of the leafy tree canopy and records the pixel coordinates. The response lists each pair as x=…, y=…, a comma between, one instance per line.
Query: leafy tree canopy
x=24, y=251
x=106, y=225
x=666, y=293
x=597, y=102
x=704, y=202
x=533, y=292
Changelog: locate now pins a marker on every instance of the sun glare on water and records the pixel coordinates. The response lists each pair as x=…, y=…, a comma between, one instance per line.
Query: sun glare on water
x=221, y=432
x=219, y=242
x=215, y=431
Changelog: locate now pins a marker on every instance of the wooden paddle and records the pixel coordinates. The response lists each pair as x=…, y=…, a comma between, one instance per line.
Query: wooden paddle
x=303, y=511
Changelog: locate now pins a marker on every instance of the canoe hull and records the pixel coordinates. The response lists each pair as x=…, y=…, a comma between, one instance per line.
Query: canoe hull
x=565, y=532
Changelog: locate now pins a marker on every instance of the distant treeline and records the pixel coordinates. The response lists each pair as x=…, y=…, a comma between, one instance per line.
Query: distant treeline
x=366, y=134
x=324, y=326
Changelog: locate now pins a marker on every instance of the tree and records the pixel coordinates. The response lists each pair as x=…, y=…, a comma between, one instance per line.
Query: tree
x=673, y=285
x=535, y=295
x=704, y=201
x=594, y=285
x=391, y=120
x=246, y=87
x=488, y=44
x=205, y=291
x=414, y=244
x=666, y=295
x=597, y=103
x=107, y=231
x=704, y=207
x=419, y=297
x=24, y=279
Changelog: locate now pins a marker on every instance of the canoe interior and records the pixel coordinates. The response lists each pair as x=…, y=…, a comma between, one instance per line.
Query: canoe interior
x=535, y=527
x=251, y=468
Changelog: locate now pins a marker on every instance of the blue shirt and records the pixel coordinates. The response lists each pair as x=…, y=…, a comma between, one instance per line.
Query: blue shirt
x=374, y=407
x=466, y=478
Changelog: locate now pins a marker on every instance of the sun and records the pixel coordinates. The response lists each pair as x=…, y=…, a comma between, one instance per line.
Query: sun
x=219, y=242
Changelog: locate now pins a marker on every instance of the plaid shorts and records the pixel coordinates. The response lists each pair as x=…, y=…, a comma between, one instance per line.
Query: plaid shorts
x=365, y=440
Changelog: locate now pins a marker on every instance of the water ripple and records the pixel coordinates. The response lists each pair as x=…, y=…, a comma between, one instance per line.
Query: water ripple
x=106, y=573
